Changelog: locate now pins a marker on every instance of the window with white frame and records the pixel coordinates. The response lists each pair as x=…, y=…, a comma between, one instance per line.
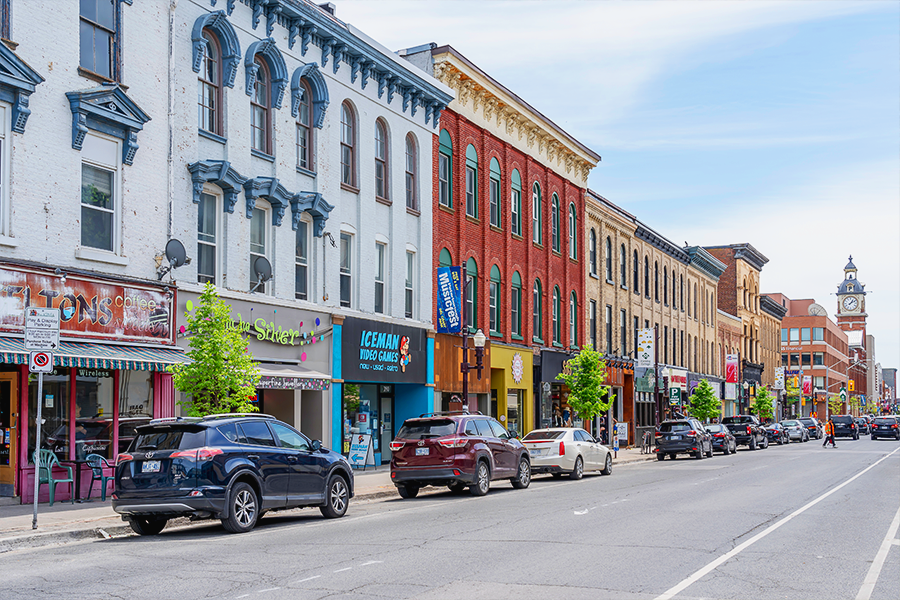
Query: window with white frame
x=573, y=235
x=494, y=193
x=380, y=256
x=207, y=239
x=257, y=248
x=471, y=205
x=412, y=174
x=536, y=232
x=408, y=284
x=381, y=158
x=573, y=322
x=99, y=193
x=301, y=262
x=4, y=171
x=209, y=99
x=494, y=300
x=348, y=145
x=304, y=130
x=346, y=268
x=260, y=111
x=557, y=309
x=554, y=222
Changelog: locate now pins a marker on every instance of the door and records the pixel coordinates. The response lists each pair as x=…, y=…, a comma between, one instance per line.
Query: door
x=9, y=422
x=585, y=442
x=307, y=478
x=504, y=452
x=271, y=462
x=386, y=421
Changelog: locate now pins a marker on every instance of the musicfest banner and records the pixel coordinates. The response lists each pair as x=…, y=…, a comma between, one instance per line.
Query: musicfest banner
x=731, y=368
x=449, y=303
x=646, y=353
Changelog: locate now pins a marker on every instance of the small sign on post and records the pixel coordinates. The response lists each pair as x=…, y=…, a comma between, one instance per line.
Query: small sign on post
x=40, y=362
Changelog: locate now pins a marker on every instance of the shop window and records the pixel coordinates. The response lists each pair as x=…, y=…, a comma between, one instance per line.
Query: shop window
x=380, y=253
x=301, y=261
x=516, y=203
x=408, y=284
x=54, y=413
x=445, y=170
x=135, y=398
x=515, y=410
x=207, y=244
x=537, y=233
x=494, y=193
x=381, y=160
x=346, y=268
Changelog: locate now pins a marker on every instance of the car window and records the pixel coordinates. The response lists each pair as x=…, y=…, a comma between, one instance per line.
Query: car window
x=484, y=429
x=884, y=421
x=169, y=438
x=844, y=420
x=498, y=430
x=228, y=431
x=540, y=435
x=471, y=429
x=677, y=426
x=289, y=438
x=734, y=420
x=714, y=428
x=426, y=428
x=257, y=433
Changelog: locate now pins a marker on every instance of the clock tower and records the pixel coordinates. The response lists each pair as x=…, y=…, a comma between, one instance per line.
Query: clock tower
x=851, y=318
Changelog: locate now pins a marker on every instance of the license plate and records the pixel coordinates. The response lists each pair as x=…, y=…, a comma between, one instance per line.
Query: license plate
x=674, y=437
x=150, y=466
x=421, y=451
x=536, y=452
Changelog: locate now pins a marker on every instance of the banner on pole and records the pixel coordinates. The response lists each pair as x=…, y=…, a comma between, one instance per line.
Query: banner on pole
x=779, y=378
x=807, y=385
x=646, y=351
x=449, y=300
x=731, y=368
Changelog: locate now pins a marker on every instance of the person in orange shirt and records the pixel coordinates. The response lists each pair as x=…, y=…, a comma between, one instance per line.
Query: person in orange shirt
x=829, y=433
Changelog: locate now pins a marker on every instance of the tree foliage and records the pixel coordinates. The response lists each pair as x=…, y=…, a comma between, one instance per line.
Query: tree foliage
x=763, y=404
x=221, y=376
x=584, y=376
x=704, y=404
x=835, y=405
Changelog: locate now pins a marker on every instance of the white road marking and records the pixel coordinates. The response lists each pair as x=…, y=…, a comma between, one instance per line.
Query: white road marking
x=868, y=586
x=371, y=562
x=680, y=587
x=268, y=590
x=301, y=581
x=896, y=542
x=581, y=512
x=342, y=570
x=243, y=595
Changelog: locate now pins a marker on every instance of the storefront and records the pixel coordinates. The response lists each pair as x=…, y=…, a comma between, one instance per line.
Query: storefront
x=448, y=375
x=644, y=401
x=512, y=387
x=293, y=349
x=382, y=376
x=116, y=342
x=675, y=390
x=620, y=379
x=715, y=383
x=551, y=393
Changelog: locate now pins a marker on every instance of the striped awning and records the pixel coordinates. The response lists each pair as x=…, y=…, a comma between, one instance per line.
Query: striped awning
x=97, y=356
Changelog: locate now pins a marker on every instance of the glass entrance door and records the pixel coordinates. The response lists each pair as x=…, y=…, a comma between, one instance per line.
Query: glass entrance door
x=385, y=428
x=9, y=432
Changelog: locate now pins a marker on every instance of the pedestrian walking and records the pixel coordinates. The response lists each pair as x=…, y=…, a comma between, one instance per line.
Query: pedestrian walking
x=829, y=433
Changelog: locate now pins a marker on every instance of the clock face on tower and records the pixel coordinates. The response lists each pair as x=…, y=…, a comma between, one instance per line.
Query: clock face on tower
x=850, y=303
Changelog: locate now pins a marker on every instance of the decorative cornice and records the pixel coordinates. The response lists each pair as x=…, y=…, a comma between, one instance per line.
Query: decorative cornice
x=654, y=239
x=17, y=82
x=109, y=110
x=220, y=173
x=772, y=308
x=747, y=253
x=217, y=22
x=706, y=262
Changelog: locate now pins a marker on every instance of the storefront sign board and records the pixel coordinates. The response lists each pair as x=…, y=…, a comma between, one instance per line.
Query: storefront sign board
x=449, y=303
x=361, y=454
x=378, y=351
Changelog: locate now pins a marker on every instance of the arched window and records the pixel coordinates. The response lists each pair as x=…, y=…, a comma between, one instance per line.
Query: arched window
x=445, y=170
x=666, y=285
x=472, y=293
x=471, y=182
x=636, y=272
x=515, y=203
x=623, y=266
x=656, y=280
x=412, y=173
x=494, y=300
x=689, y=298
x=304, y=127
x=744, y=288
x=260, y=111
x=681, y=292
x=494, y=193
x=696, y=314
x=554, y=222
x=592, y=251
x=647, y=276
x=573, y=322
x=556, y=310
x=537, y=233
x=673, y=290
x=348, y=145
x=444, y=258
x=537, y=312
x=210, y=82
x=381, y=160
x=609, y=261
x=573, y=236
x=515, y=304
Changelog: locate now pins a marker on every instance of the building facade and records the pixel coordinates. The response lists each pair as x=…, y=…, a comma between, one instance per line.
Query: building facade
x=851, y=317
x=728, y=334
x=508, y=204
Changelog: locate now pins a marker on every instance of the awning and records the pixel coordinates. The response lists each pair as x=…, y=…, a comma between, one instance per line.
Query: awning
x=97, y=356
x=291, y=377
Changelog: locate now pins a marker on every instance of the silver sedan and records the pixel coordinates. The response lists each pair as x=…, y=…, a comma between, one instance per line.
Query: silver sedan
x=796, y=431
x=567, y=450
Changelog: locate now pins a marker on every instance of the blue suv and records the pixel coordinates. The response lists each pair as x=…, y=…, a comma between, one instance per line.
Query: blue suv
x=232, y=467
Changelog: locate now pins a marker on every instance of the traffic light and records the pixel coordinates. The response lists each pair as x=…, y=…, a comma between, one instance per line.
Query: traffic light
x=851, y=385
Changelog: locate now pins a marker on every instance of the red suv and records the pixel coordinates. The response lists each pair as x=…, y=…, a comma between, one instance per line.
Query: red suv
x=458, y=450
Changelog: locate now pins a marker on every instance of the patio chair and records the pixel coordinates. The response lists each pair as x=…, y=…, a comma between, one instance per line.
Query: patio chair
x=96, y=463
x=46, y=460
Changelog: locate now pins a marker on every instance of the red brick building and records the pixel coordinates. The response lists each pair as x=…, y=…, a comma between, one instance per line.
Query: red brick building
x=508, y=204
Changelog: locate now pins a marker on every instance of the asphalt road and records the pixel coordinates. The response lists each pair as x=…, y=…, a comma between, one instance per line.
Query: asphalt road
x=795, y=521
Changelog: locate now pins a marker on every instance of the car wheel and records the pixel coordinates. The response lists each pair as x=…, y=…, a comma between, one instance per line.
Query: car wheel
x=726, y=449
x=408, y=491
x=337, y=498
x=482, y=480
x=874, y=438
x=698, y=454
x=457, y=488
x=578, y=471
x=709, y=454
x=524, y=477
x=672, y=455
x=243, y=509
x=607, y=466
x=660, y=456
x=147, y=525
x=765, y=443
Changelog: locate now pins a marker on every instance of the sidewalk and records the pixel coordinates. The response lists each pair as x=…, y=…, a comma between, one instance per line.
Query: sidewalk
x=64, y=522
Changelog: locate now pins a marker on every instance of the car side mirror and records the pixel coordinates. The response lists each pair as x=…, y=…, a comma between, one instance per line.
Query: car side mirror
x=513, y=434
x=316, y=445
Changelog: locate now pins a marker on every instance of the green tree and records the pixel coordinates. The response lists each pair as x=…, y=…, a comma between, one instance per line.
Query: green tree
x=704, y=404
x=763, y=403
x=835, y=405
x=221, y=376
x=585, y=375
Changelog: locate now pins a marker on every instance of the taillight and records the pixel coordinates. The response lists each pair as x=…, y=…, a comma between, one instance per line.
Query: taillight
x=719, y=435
x=893, y=427
x=205, y=453
x=454, y=442
x=659, y=434
x=123, y=458
x=748, y=430
x=691, y=433
x=562, y=448
x=396, y=446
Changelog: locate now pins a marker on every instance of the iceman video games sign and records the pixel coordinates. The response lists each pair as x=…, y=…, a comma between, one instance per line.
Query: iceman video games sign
x=382, y=352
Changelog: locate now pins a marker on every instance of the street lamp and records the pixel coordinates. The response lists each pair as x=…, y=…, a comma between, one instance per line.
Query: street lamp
x=478, y=339
x=747, y=395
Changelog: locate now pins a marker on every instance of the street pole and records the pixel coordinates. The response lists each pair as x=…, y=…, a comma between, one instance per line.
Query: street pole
x=464, y=367
x=656, y=373
x=37, y=448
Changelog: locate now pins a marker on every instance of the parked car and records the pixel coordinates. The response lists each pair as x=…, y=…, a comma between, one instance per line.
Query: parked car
x=747, y=431
x=683, y=436
x=796, y=430
x=567, y=450
x=229, y=467
x=885, y=427
x=845, y=426
x=862, y=425
x=722, y=439
x=777, y=434
x=813, y=427
x=458, y=450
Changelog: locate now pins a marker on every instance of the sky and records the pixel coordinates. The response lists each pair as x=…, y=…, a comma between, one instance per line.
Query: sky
x=773, y=123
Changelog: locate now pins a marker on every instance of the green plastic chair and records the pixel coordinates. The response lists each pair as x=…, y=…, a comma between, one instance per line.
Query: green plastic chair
x=96, y=463
x=46, y=460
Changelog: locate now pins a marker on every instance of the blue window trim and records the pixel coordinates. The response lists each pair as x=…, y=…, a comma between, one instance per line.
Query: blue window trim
x=107, y=109
x=220, y=173
x=217, y=22
x=17, y=82
x=278, y=69
x=318, y=87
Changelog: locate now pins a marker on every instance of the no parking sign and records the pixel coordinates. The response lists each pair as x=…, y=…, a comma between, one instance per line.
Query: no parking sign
x=40, y=362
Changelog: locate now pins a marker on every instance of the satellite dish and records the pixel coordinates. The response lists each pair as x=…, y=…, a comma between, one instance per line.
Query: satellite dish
x=176, y=256
x=263, y=268
x=817, y=310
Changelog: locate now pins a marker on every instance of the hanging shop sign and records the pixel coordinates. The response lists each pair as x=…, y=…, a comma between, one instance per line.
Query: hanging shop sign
x=449, y=313
x=731, y=368
x=518, y=367
x=779, y=378
x=88, y=307
x=646, y=352
x=378, y=351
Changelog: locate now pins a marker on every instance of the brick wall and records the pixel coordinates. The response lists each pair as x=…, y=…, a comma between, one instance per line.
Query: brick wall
x=728, y=285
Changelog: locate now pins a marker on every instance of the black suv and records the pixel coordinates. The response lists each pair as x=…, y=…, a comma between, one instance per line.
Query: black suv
x=683, y=436
x=230, y=467
x=845, y=426
x=885, y=427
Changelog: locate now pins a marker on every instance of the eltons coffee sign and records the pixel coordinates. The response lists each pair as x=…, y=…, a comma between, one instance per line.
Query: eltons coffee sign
x=376, y=351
